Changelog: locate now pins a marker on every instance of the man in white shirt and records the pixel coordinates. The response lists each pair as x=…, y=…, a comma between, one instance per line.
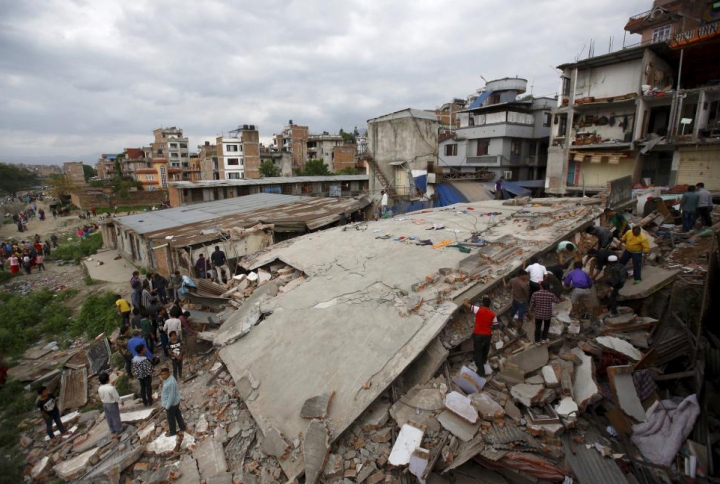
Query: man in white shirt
x=173, y=324
x=705, y=205
x=383, y=202
x=537, y=272
x=110, y=399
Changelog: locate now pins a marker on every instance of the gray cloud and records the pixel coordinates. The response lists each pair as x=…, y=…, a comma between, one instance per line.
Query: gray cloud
x=78, y=78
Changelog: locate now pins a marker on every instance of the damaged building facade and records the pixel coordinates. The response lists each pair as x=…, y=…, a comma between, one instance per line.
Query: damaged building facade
x=649, y=111
x=172, y=239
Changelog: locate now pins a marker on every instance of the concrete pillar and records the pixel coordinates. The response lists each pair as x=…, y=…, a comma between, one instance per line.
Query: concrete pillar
x=702, y=114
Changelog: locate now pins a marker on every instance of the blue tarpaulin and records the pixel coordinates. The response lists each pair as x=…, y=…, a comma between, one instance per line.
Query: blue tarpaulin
x=482, y=97
x=447, y=194
x=421, y=183
x=515, y=189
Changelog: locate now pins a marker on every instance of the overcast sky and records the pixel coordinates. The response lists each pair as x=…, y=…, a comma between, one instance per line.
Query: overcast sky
x=79, y=78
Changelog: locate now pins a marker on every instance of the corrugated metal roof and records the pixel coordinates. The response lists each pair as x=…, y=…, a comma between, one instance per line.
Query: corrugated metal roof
x=309, y=213
x=277, y=180
x=146, y=222
x=73, y=389
x=589, y=466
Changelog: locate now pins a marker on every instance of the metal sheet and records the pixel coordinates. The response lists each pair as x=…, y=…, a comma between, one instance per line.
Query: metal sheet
x=99, y=356
x=277, y=180
x=73, y=389
x=589, y=466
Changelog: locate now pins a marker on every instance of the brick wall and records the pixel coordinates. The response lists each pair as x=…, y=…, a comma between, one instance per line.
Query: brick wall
x=104, y=198
x=344, y=156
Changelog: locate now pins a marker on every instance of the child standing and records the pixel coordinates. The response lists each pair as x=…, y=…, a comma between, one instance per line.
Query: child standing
x=47, y=403
x=40, y=262
x=176, y=351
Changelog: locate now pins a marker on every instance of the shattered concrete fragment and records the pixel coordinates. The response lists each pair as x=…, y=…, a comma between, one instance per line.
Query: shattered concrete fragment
x=317, y=406
x=419, y=461
x=41, y=469
x=316, y=448
x=164, y=445
x=585, y=388
x=146, y=433
x=334, y=466
x=418, y=405
x=567, y=408
x=189, y=471
x=551, y=379
x=201, y=426
x=621, y=346
x=407, y=441
x=512, y=411
x=529, y=360
x=135, y=416
x=458, y=427
x=210, y=458
x=375, y=417
x=109, y=471
x=73, y=468
x=461, y=406
x=275, y=445
x=526, y=394
x=469, y=381
x=488, y=408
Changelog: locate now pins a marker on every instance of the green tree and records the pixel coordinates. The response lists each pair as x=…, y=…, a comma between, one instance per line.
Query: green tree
x=14, y=178
x=348, y=137
x=268, y=169
x=88, y=171
x=122, y=185
x=316, y=168
x=348, y=171
x=59, y=187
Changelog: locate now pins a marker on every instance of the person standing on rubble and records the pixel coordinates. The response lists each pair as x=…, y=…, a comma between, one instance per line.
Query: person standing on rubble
x=615, y=277
x=219, y=261
x=617, y=219
x=142, y=368
x=175, y=283
x=521, y=294
x=482, y=331
x=47, y=403
x=383, y=202
x=581, y=284
x=110, y=399
x=637, y=247
x=541, y=305
x=201, y=267
x=170, y=399
x=177, y=350
x=705, y=204
x=689, y=204
x=537, y=272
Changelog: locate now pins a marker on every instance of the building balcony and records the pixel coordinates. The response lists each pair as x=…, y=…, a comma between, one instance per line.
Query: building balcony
x=494, y=160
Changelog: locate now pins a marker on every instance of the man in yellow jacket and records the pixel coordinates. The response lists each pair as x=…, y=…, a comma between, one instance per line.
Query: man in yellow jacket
x=637, y=247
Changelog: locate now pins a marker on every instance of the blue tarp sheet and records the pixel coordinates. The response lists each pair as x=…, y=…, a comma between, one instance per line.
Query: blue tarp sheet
x=482, y=97
x=515, y=189
x=448, y=195
x=421, y=183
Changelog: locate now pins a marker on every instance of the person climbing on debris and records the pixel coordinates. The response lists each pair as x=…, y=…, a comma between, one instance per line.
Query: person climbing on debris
x=123, y=309
x=521, y=294
x=581, y=284
x=482, y=332
x=170, y=399
x=537, y=273
x=604, y=236
x=541, y=305
x=567, y=249
x=637, y=247
x=47, y=403
x=618, y=220
x=615, y=277
x=110, y=399
x=598, y=259
x=142, y=368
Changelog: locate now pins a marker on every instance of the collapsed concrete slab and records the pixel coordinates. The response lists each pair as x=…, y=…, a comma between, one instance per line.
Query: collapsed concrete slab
x=210, y=458
x=109, y=471
x=164, y=445
x=469, y=381
x=75, y=467
x=621, y=346
x=654, y=279
x=527, y=394
x=418, y=405
x=458, y=427
x=135, y=416
x=461, y=406
x=585, y=388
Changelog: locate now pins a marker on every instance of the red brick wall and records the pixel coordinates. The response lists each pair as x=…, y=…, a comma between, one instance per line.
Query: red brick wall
x=344, y=156
x=100, y=198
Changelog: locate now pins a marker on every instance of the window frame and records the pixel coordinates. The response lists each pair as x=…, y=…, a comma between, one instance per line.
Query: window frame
x=662, y=33
x=235, y=160
x=450, y=149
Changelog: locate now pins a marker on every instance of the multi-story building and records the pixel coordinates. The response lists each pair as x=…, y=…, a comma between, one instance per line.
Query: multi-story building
x=171, y=145
x=105, y=166
x=208, y=161
x=649, y=111
x=293, y=139
x=239, y=153
x=500, y=132
x=74, y=173
x=399, y=144
x=447, y=114
x=335, y=152
x=194, y=170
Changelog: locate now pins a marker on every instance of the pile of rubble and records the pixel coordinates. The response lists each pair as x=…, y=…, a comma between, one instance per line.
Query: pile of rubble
x=603, y=401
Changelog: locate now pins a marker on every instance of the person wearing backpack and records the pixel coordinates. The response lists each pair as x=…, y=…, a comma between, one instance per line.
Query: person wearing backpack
x=615, y=277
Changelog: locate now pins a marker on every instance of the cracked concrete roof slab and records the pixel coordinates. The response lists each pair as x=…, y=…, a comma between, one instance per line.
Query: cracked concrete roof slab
x=346, y=329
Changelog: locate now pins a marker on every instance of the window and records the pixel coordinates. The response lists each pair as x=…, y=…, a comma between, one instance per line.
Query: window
x=495, y=99
x=515, y=146
x=565, y=86
x=174, y=155
x=533, y=150
x=547, y=120
x=451, y=150
x=173, y=146
x=233, y=161
x=149, y=177
x=562, y=127
x=183, y=145
x=233, y=176
x=483, y=147
x=232, y=148
x=662, y=33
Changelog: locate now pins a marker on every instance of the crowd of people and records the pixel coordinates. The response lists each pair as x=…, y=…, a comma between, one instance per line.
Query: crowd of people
x=25, y=255
x=537, y=288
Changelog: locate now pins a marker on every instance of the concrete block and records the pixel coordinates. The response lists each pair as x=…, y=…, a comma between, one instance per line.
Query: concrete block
x=461, y=406
x=317, y=406
x=551, y=379
x=546, y=430
x=585, y=388
x=526, y=394
x=366, y=471
x=135, y=416
x=210, y=458
x=275, y=445
x=469, y=381
x=334, y=466
x=512, y=411
x=316, y=448
x=419, y=461
x=567, y=408
x=458, y=427
x=167, y=445
x=621, y=346
x=407, y=441
x=404, y=410
x=375, y=417
x=488, y=408
x=531, y=359
x=73, y=468
x=40, y=470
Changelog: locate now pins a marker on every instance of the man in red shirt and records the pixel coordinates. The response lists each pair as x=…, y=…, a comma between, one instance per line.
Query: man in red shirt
x=482, y=334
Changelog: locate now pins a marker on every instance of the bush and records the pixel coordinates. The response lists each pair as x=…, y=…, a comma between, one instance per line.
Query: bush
x=77, y=250
x=97, y=315
x=15, y=402
x=122, y=385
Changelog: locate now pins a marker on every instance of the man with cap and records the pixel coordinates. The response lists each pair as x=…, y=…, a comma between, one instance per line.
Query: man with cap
x=615, y=277
x=598, y=259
